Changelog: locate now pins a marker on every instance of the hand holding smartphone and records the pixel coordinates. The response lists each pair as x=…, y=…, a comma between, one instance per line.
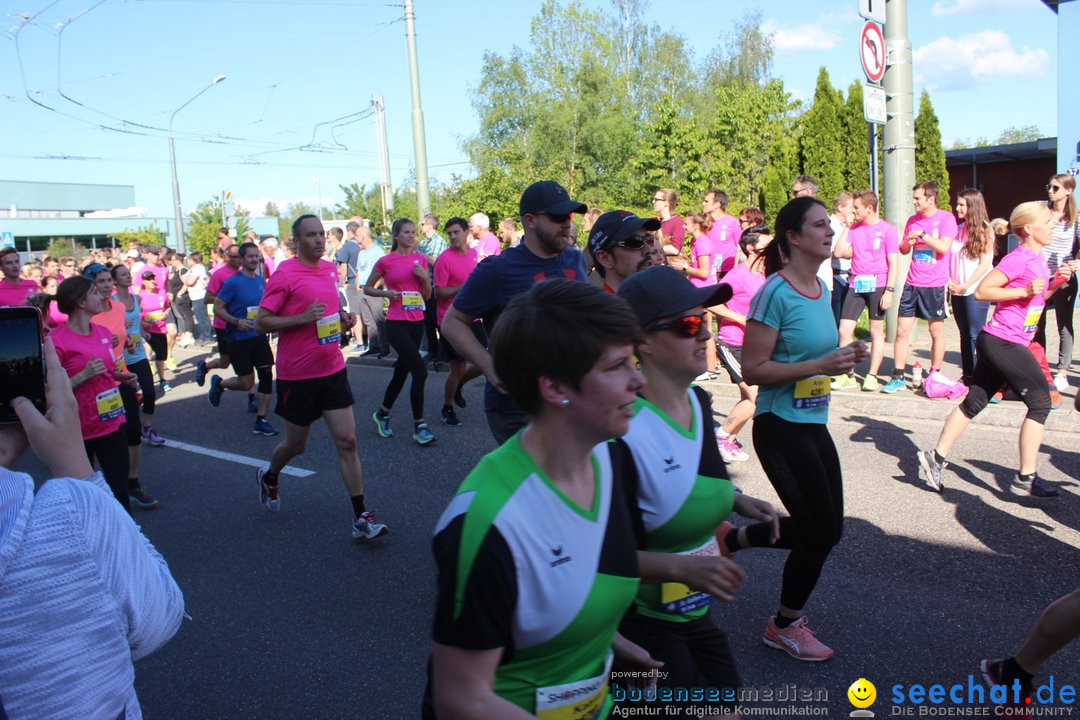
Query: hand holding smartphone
x=22, y=364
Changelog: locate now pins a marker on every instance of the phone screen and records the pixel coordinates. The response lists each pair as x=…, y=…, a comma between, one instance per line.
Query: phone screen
x=22, y=365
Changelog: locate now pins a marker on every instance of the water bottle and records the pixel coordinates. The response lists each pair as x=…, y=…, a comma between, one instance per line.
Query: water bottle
x=916, y=375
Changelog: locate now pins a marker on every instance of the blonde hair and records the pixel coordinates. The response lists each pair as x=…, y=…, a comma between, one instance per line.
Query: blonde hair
x=1025, y=214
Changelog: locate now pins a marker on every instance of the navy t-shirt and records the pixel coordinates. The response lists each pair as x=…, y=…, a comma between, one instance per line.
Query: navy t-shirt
x=498, y=279
x=242, y=296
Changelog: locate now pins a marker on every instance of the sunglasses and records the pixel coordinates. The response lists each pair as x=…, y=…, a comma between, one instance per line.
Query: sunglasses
x=685, y=327
x=1052, y=188
x=634, y=242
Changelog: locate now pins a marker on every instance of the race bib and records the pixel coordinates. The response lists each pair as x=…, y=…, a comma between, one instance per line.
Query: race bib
x=109, y=405
x=121, y=366
x=155, y=316
x=136, y=338
x=1031, y=320
x=252, y=312
x=865, y=284
x=329, y=329
x=581, y=700
x=679, y=598
x=923, y=255
x=811, y=392
x=877, y=242
x=412, y=300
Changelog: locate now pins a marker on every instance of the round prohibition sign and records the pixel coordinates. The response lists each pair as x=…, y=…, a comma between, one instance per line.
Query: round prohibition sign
x=872, y=52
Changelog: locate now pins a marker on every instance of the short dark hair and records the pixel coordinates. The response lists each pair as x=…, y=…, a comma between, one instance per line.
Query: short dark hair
x=249, y=246
x=337, y=232
x=719, y=196
x=929, y=189
x=352, y=226
x=866, y=198
x=8, y=251
x=559, y=329
x=749, y=237
x=223, y=231
x=297, y=221
x=456, y=221
x=71, y=292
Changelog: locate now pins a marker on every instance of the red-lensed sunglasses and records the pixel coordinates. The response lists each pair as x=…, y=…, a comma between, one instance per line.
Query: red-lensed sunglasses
x=686, y=327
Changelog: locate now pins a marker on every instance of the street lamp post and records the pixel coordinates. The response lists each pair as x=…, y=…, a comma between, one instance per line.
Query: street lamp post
x=179, y=219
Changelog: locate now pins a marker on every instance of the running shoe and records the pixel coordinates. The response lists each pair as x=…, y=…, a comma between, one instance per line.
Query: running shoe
x=930, y=470
x=358, y=350
x=170, y=362
x=1055, y=398
x=200, y=372
x=731, y=452
x=1036, y=488
x=382, y=424
x=449, y=417
x=142, y=499
x=365, y=527
x=459, y=399
x=894, y=385
x=705, y=376
x=422, y=435
x=721, y=537
x=844, y=382
x=870, y=384
x=165, y=387
x=216, y=391
x=1061, y=383
x=993, y=673
x=797, y=640
x=997, y=397
x=152, y=437
x=262, y=427
x=268, y=494
x=253, y=404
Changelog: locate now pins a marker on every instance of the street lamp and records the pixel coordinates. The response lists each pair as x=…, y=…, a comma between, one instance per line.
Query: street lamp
x=180, y=247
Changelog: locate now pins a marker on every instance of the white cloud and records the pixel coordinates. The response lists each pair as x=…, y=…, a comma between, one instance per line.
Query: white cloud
x=813, y=36
x=957, y=63
x=943, y=8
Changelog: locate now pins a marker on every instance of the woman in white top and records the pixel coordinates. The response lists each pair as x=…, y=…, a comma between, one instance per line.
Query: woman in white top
x=971, y=259
x=1061, y=250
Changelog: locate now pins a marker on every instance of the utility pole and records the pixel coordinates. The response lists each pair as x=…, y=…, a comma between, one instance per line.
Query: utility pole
x=899, y=134
x=423, y=196
x=386, y=190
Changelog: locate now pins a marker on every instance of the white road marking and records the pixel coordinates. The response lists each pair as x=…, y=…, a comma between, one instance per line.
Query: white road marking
x=233, y=457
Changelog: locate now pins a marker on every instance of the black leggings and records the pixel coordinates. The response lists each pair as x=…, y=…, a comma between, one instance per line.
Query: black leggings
x=146, y=385
x=800, y=461
x=111, y=452
x=405, y=336
x=1000, y=362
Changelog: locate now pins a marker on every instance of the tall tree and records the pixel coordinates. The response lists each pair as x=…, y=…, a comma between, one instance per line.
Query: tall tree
x=205, y=220
x=823, y=138
x=929, y=152
x=857, y=140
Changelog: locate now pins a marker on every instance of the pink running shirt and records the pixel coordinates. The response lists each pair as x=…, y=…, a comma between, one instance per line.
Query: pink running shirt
x=153, y=307
x=930, y=268
x=744, y=284
x=17, y=294
x=397, y=273
x=451, y=270
x=870, y=247
x=310, y=350
x=101, y=411
x=703, y=245
x=725, y=234
x=1017, y=320
x=217, y=279
x=487, y=245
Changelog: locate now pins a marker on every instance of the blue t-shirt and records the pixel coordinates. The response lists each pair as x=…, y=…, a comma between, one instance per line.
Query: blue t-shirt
x=242, y=295
x=347, y=254
x=498, y=280
x=365, y=261
x=806, y=330
x=133, y=325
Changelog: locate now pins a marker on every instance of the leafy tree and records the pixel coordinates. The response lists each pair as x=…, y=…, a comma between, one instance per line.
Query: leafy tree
x=271, y=210
x=822, y=141
x=149, y=235
x=65, y=246
x=856, y=145
x=204, y=222
x=1025, y=133
x=929, y=152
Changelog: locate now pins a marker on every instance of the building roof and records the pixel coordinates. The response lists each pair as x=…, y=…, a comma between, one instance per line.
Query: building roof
x=82, y=197
x=1039, y=149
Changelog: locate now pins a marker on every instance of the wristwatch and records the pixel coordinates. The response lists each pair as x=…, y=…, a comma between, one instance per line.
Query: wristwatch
x=888, y=289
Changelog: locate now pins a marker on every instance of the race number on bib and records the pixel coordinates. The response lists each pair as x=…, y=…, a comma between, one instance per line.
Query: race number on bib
x=155, y=316
x=252, y=312
x=865, y=284
x=812, y=392
x=923, y=255
x=1031, y=320
x=329, y=329
x=679, y=598
x=109, y=405
x=581, y=700
x=412, y=300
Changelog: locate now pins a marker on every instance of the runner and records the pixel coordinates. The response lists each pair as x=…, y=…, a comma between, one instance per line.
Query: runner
x=452, y=269
x=154, y=303
x=703, y=265
x=404, y=272
x=682, y=492
x=535, y=553
x=1019, y=285
x=112, y=318
x=972, y=258
x=217, y=279
x=85, y=351
x=301, y=306
x=1063, y=250
x=237, y=303
x=790, y=351
x=136, y=361
x=14, y=289
x=745, y=280
x=874, y=249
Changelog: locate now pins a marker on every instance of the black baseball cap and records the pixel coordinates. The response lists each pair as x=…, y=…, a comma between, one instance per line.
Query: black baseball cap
x=548, y=196
x=662, y=291
x=149, y=275
x=616, y=225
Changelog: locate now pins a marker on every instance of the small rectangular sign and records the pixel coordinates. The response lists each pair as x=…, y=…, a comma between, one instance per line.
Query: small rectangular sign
x=7, y=239
x=873, y=10
x=874, y=104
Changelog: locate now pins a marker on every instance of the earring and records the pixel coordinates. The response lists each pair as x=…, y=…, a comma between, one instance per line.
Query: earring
x=565, y=402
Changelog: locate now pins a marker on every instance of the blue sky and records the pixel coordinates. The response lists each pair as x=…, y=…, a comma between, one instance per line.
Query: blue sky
x=293, y=64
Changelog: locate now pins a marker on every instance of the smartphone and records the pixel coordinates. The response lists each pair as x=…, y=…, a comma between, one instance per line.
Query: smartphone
x=22, y=361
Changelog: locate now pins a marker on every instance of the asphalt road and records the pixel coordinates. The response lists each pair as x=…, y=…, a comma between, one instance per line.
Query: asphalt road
x=291, y=618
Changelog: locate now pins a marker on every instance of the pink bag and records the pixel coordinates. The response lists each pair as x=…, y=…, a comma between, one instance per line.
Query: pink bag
x=936, y=385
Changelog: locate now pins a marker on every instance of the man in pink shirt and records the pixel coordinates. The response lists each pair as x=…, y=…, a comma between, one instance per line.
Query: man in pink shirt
x=487, y=243
x=725, y=230
x=928, y=237
x=301, y=305
x=217, y=279
x=452, y=269
x=14, y=288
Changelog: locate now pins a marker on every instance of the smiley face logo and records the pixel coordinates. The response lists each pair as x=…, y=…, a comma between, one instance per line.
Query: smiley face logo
x=862, y=693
